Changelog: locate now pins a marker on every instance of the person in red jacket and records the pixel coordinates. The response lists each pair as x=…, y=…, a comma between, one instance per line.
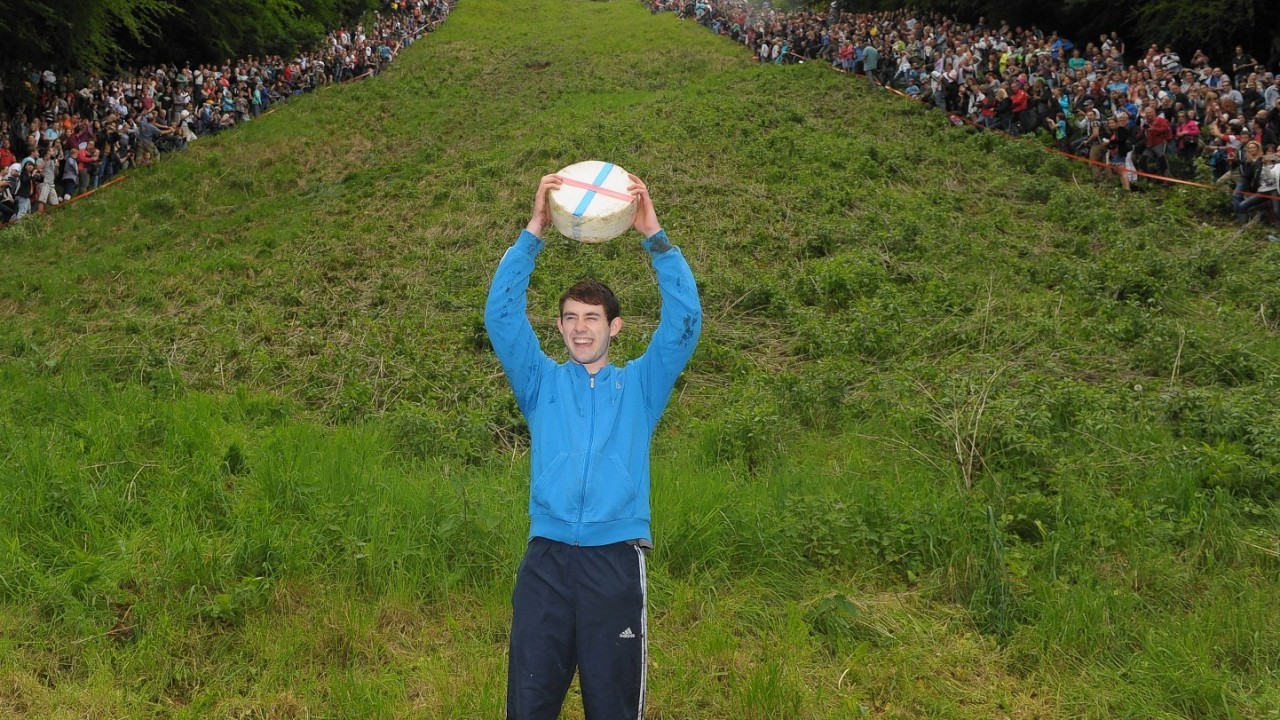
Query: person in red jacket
x=1157, y=135
x=7, y=157
x=1020, y=101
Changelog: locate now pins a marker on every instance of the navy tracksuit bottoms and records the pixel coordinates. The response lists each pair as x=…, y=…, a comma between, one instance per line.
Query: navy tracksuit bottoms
x=578, y=608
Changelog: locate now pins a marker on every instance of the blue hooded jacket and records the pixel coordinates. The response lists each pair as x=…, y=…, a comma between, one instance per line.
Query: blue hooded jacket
x=591, y=434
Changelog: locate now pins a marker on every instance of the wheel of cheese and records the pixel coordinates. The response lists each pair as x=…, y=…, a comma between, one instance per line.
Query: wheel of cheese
x=592, y=204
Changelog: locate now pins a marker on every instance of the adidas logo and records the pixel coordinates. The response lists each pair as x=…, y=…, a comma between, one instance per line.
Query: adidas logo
x=626, y=634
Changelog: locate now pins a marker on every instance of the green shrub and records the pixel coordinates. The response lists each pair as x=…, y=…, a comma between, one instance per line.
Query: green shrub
x=751, y=430
x=425, y=432
x=837, y=283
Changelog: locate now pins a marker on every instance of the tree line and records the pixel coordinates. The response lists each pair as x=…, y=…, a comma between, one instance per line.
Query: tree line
x=1214, y=26
x=83, y=36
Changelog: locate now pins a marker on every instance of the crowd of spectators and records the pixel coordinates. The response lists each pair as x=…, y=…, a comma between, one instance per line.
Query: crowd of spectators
x=81, y=132
x=1153, y=112
x=1156, y=114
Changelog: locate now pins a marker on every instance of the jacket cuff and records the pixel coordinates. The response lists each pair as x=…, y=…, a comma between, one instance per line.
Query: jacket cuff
x=528, y=243
x=657, y=243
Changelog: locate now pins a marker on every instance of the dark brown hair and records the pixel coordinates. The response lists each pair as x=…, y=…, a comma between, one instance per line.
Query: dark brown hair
x=593, y=292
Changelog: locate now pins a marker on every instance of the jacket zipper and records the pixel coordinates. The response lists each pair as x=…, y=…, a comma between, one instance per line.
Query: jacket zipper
x=586, y=467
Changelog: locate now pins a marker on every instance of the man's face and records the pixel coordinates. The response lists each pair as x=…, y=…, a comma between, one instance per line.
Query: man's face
x=587, y=331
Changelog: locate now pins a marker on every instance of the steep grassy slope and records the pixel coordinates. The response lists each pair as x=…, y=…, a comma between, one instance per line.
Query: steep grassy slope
x=967, y=434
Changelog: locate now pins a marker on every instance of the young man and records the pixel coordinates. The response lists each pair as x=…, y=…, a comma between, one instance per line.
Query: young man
x=579, y=599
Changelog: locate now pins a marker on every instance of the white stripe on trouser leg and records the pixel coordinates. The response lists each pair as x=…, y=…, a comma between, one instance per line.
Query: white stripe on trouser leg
x=644, y=632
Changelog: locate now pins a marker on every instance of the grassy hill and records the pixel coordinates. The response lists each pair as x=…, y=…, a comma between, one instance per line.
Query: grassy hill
x=968, y=435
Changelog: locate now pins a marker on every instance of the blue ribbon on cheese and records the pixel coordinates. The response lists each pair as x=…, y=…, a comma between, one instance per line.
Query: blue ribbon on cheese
x=591, y=194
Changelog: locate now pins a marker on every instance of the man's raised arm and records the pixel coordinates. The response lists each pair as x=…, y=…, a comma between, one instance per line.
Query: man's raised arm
x=506, y=309
x=679, y=320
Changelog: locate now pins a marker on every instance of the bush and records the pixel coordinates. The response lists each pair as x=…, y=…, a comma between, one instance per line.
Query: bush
x=750, y=430
x=837, y=283
x=426, y=432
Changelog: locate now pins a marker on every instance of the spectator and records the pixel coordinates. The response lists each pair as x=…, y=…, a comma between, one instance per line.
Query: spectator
x=7, y=157
x=87, y=164
x=1019, y=101
x=1096, y=140
x=109, y=113
x=986, y=103
x=8, y=185
x=1242, y=64
x=871, y=62
x=1251, y=94
x=1055, y=74
x=1058, y=125
x=1232, y=100
x=25, y=189
x=150, y=134
x=1157, y=135
x=1187, y=132
x=48, y=193
x=1269, y=184
x=1249, y=182
x=846, y=56
x=1262, y=130
x=70, y=174
x=1119, y=144
x=1004, y=110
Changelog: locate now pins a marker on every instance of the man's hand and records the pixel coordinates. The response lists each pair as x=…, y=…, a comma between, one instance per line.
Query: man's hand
x=541, y=205
x=646, y=218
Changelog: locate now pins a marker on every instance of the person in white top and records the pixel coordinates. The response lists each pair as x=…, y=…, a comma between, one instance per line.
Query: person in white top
x=1267, y=197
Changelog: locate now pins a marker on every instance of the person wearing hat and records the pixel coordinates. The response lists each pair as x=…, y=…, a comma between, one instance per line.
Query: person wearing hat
x=1164, y=106
x=184, y=130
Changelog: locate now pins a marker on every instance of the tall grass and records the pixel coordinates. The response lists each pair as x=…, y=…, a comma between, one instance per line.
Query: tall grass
x=965, y=436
